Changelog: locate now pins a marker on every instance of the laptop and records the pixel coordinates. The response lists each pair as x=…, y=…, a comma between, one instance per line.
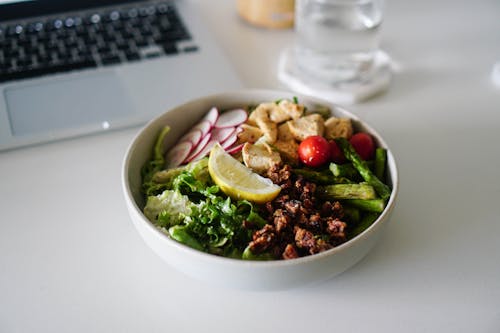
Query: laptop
x=73, y=68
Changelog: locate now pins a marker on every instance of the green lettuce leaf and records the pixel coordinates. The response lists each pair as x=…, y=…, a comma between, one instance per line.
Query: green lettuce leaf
x=168, y=208
x=193, y=210
x=157, y=163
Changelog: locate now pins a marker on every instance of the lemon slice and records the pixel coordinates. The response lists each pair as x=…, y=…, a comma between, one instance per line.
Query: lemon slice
x=238, y=181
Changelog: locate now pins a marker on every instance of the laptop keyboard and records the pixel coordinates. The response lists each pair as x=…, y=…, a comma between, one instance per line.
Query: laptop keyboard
x=93, y=39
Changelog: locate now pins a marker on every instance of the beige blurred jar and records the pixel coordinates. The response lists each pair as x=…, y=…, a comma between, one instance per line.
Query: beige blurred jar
x=275, y=14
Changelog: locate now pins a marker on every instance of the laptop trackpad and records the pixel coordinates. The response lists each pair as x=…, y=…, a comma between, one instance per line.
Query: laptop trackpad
x=83, y=104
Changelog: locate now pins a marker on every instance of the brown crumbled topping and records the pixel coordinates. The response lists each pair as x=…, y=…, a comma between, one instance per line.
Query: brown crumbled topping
x=263, y=239
x=299, y=224
x=290, y=252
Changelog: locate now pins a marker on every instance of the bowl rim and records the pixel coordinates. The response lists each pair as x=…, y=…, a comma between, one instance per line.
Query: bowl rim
x=378, y=223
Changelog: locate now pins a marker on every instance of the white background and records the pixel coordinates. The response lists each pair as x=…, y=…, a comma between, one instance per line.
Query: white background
x=71, y=261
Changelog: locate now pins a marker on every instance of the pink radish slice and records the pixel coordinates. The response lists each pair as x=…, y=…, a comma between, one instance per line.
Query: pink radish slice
x=221, y=134
x=204, y=152
x=235, y=149
x=212, y=116
x=198, y=148
x=178, y=154
x=231, y=118
x=229, y=141
x=204, y=126
x=193, y=136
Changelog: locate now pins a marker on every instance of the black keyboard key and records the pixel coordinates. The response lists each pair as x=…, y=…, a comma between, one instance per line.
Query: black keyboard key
x=89, y=39
x=178, y=35
x=131, y=13
x=113, y=16
x=43, y=59
x=25, y=63
x=117, y=25
x=141, y=42
x=191, y=48
x=41, y=38
x=10, y=76
x=110, y=59
x=143, y=12
x=170, y=48
x=71, y=42
x=11, y=53
x=94, y=18
x=71, y=22
x=35, y=28
x=153, y=55
x=132, y=55
x=74, y=65
x=64, y=54
x=32, y=72
x=162, y=8
x=122, y=44
x=103, y=49
x=109, y=36
x=145, y=31
x=14, y=30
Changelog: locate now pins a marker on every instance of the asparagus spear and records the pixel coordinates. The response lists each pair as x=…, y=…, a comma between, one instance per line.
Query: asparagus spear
x=348, y=191
x=344, y=170
x=380, y=161
x=365, y=222
x=382, y=190
x=370, y=205
x=352, y=214
x=320, y=177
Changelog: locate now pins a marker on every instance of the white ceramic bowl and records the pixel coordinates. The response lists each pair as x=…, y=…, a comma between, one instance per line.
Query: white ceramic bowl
x=232, y=272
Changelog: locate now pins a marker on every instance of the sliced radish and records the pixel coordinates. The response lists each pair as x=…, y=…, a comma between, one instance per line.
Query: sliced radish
x=212, y=116
x=204, y=126
x=198, y=148
x=235, y=149
x=178, y=154
x=229, y=141
x=204, y=152
x=231, y=118
x=221, y=134
x=193, y=136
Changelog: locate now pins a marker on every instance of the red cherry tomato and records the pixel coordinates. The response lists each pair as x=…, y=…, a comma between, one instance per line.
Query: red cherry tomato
x=337, y=156
x=314, y=151
x=364, y=145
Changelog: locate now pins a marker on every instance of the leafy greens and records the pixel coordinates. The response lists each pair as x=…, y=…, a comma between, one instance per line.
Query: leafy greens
x=186, y=204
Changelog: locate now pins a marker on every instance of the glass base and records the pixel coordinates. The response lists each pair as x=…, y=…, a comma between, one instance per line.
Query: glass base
x=347, y=92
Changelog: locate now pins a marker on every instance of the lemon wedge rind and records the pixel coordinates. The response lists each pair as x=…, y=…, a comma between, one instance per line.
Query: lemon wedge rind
x=238, y=181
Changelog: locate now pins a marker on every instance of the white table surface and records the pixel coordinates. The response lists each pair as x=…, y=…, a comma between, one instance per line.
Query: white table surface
x=71, y=260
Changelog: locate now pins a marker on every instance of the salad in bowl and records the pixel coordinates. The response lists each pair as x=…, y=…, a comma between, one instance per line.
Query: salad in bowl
x=261, y=181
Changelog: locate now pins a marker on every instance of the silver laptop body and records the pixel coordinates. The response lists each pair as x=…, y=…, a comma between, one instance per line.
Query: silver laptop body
x=115, y=95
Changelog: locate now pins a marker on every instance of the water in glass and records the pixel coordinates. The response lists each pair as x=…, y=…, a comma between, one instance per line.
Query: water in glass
x=337, y=40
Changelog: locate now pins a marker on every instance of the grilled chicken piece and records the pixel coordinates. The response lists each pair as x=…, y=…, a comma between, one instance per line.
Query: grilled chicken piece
x=260, y=118
x=260, y=158
x=338, y=128
x=304, y=127
x=284, y=133
x=293, y=110
x=249, y=133
x=288, y=150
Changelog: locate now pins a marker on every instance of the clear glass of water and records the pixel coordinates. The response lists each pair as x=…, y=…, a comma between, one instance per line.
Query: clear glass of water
x=336, y=42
